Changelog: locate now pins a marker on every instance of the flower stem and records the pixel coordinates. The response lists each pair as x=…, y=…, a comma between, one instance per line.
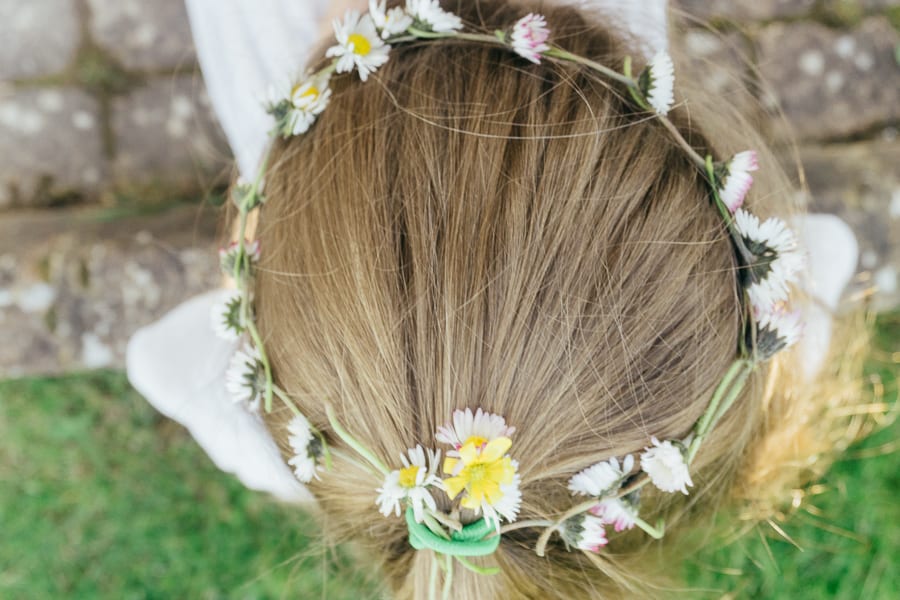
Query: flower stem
x=353, y=443
x=738, y=371
x=612, y=74
x=448, y=576
x=476, y=568
x=524, y=525
x=655, y=532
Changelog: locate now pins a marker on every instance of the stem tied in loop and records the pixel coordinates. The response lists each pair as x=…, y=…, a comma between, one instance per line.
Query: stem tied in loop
x=475, y=539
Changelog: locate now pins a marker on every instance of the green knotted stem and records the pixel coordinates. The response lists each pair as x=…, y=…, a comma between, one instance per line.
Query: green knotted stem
x=473, y=540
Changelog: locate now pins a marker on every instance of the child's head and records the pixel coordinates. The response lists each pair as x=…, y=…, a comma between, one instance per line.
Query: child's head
x=468, y=230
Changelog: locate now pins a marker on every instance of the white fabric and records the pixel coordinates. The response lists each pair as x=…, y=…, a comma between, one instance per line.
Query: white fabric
x=245, y=46
x=178, y=364
x=832, y=254
x=643, y=21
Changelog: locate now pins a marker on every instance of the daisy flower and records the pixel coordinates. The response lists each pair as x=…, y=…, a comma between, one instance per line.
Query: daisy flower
x=507, y=507
x=359, y=45
x=529, y=37
x=478, y=428
x=657, y=82
x=777, y=259
x=776, y=330
x=225, y=317
x=737, y=179
x=601, y=478
x=411, y=484
x=228, y=256
x=585, y=532
x=389, y=22
x=296, y=106
x=665, y=465
x=429, y=15
x=245, y=378
x=486, y=476
x=616, y=512
x=306, y=448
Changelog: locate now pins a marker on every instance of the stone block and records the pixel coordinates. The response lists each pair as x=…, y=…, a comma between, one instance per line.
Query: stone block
x=52, y=147
x=74, y=285
x=144, y=35
x=830, y=84
x=722, y=65
x=743, y=10
x=860, y=182
x=40, y=38
x=166, y=132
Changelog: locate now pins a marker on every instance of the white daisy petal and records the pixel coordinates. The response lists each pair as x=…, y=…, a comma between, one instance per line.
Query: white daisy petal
x=664, y=464
x=481, y=426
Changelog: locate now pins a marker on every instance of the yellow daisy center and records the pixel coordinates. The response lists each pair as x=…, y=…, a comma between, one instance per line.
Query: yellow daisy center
x=361, y=45
x=476, y=440
x=408, y=476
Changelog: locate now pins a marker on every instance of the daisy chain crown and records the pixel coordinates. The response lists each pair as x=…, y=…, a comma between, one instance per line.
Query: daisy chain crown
x=478, y=472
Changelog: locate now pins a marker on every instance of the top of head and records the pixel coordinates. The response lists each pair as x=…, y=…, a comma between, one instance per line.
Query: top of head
x=472, y=230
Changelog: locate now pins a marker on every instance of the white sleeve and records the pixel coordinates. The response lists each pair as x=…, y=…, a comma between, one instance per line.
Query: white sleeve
x=178, y=364
x=243, y=47
x=644, y=21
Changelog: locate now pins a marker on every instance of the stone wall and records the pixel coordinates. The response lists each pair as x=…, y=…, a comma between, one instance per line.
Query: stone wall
x=108, y=145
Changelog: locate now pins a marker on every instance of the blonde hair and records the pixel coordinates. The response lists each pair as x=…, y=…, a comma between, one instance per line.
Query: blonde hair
x=471, y=230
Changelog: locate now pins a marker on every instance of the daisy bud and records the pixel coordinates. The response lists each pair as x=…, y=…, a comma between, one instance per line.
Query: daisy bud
x=776, y=330
x=388, y=22
x=429, y=15
x=529, y=37
x=776, y=259
x=664, y=464
x=602, y=478
x=617, y=512
x=735, y=180
x=657, y=82
x=230, y=255
x=225, y=317
x=245, y=378
x=306, y=448
x=585, y=532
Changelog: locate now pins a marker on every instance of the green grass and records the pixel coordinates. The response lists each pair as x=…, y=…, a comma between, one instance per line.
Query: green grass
x=102, y=498
x=849, y=543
